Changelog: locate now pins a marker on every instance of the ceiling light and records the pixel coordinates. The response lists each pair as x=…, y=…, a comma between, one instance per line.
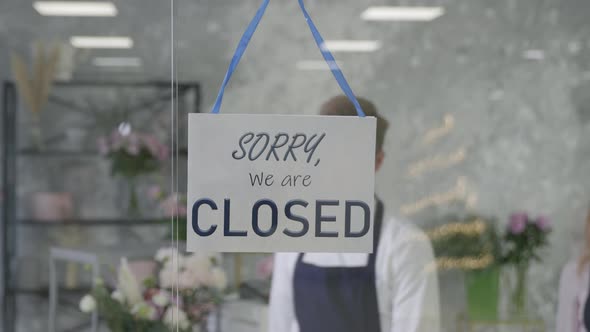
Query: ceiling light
x=116, y=62
x=533, y=54
x=402, y=13
x=317, y=65
x=101, y=42
x=352, y=45
x=75, y=8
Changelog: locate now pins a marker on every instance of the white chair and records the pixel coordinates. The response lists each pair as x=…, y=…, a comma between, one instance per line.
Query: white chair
x=69, y=256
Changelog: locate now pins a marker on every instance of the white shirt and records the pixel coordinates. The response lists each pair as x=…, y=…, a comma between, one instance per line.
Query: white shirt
x=573, y=292
x=406, y=281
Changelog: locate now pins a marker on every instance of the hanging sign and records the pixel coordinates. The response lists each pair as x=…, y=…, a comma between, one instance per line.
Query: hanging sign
x=268, y=183
x=272, y=183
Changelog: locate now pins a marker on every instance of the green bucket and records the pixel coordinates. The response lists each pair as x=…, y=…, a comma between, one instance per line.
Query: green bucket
x=482, y=293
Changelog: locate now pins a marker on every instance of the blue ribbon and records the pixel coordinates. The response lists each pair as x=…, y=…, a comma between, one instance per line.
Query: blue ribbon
x=245, y=40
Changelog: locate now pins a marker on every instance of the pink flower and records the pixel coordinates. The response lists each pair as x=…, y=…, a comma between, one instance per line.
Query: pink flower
x=163, y=153
x=264, y=267
x=518, y=222
x=133, y=145
x=543, y=223
x=157, y=149
x=173, y=206
x=116, y=140
x=154, y=192
x=181, y=210
x=103, y=146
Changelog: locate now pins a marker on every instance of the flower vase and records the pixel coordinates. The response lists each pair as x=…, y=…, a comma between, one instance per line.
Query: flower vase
x=519, y=293
x=482, y=289
x=133, y=204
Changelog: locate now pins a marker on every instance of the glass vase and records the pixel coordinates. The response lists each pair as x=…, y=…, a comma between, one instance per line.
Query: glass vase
x=519, y=293
x=133, y=203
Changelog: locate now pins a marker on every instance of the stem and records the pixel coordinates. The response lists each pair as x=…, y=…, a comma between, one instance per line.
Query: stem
x=133, y=208
x=520, y=292
x=36, y=133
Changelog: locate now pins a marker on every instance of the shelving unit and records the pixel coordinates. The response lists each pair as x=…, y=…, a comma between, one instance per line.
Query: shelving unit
x=92, y=223
x=11, y=224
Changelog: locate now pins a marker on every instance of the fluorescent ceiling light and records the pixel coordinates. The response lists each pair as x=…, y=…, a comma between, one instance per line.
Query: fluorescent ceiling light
x=534, y=54
x=352, y=45
x=116, y=62
x=75, y=8
x=402, y=13
x=101, y=42
x=316, y=65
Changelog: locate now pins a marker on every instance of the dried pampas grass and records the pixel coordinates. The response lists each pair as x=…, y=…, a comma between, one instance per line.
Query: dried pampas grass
x=35, y=88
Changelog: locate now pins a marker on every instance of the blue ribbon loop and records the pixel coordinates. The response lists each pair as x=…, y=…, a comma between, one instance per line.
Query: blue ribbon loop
x=328, y=57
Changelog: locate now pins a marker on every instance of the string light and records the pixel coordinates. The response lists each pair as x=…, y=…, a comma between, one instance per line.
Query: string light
x=436, y=133
x=437, y=162
x=455, y=194
x=476, y=227
x=466, y=263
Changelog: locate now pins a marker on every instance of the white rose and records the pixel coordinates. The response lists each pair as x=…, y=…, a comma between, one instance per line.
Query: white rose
x=167, y=278
x=199, y=264
x=118, y=296
x=175, y=262
x=165, y=254
x=144, y=310
x=218, y=279
x=189, y=280
x=87, y=304
x=161, y=299
x=176, y=317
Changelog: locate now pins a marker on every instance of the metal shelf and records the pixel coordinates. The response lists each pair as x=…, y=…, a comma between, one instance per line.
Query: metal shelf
x=11, y=151
x=56, y=153
x=89, y=222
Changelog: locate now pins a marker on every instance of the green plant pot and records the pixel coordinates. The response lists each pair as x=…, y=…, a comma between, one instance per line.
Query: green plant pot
x=482, y=293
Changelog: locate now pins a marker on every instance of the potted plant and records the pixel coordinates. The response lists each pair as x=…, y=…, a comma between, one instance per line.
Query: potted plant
x=471, y=245
x=523, y=238
x=187, y=289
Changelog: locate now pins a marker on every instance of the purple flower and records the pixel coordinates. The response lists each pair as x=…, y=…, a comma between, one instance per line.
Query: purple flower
x=543, y=223
x=517, y=222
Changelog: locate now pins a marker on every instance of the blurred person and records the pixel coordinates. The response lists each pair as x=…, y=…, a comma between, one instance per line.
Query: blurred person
x=394, y=289
x=573, y=307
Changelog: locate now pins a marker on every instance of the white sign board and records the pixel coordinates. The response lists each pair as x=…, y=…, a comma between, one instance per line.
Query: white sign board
x=277, y=183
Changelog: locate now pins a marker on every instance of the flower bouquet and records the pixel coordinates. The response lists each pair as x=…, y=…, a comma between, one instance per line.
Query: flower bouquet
x=173, y=207
x=132, y=154
x=187, y=289
x=523, y=238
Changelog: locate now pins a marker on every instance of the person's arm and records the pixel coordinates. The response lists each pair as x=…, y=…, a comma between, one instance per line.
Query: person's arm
x=566, y=305
x=281, y=313
x=415, y=297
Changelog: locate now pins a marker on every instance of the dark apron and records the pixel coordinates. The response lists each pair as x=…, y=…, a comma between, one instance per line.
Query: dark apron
x=338, y=299
x=586, y=317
